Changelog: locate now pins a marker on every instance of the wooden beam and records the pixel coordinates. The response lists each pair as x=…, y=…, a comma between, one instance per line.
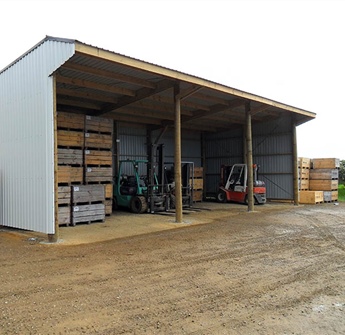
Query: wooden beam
x=250, y=179
x=184, y=103
x=78, y=103
x=94, y=85
x=140, y=94
x=108, y=74
x=76, y=93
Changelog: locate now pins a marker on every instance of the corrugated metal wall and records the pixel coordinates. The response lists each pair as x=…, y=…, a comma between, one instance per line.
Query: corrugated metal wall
x=272, y=150
x=27, y=138
x=133, y=144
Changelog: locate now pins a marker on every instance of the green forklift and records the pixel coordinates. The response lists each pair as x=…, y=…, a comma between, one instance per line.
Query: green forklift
x=139, y=184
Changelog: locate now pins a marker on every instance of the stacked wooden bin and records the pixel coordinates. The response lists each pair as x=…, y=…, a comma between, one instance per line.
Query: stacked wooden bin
x=84, y=168
x=318, y=180
x=197, y=183
x=324, y=177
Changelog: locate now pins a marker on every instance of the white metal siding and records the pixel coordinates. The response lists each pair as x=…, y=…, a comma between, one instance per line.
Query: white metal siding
x=27, y=138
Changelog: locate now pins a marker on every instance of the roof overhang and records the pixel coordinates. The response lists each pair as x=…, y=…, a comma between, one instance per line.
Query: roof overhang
x=99, y=82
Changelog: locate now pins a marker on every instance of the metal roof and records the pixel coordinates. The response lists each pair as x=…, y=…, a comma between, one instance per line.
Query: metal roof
x=96, y=81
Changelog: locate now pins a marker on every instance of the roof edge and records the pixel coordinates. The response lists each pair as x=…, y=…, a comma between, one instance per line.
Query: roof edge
x=146, y=66
x=47, y=38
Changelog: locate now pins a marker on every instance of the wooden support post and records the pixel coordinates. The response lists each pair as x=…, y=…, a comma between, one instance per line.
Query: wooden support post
x=54, y=237
x=177, y=160
x=295, y=162
x=249, y=157
x=244, y=143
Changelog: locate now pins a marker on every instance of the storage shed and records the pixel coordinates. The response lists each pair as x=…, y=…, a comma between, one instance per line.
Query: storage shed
x=198, y=120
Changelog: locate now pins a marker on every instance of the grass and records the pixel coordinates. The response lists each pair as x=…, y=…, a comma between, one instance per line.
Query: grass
x=341, y=192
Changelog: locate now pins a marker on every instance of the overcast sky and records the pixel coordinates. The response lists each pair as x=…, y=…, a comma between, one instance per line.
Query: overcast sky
x=292, y=51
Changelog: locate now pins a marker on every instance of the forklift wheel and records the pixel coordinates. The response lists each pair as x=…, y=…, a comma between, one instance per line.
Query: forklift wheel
x=138, y=205
x=221, y=196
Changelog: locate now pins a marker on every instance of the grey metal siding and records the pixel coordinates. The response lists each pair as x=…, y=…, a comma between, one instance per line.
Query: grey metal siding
x=272, y=151
x=27, y=138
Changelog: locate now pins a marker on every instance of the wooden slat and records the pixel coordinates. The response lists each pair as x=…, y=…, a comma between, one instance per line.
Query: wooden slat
x=324, y=174
x=69, y=174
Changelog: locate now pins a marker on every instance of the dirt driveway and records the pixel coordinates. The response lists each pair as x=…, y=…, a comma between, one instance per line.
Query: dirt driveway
x=280, y=270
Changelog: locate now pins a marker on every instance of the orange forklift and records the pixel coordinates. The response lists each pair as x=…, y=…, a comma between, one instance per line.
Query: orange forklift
x=233, y=185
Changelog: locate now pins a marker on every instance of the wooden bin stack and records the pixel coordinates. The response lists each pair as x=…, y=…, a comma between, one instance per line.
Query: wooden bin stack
x=70, y=143
x=98, y=156
x=322, y=180
x=303, y=173
x=197, y=183
x=84, y=159
x=324, y=177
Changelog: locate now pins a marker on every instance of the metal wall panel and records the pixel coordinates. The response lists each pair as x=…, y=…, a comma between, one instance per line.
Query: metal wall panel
x=27, y=138
x=272, y=150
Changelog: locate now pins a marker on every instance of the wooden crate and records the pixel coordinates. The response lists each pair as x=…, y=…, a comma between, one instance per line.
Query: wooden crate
x=197, y=195
x=87, y=194
x=329, y=196
x=88, y=213
x=64, y=195
x=198, y=172
x=303, y=184
x=64, y=215
x=108, y=191
x=70, y=120
x=70, y=156
x=98, y=174
x=324, y=174
x=108, y=206
x=98, y=141
x=303, y=173
x=98, y=158
x=70, y=174
x=310, y=197
x=69, y=138
x=98, y=124
x=326, y=163
x=197, y=183
x=304, y=163
x=323, y=185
